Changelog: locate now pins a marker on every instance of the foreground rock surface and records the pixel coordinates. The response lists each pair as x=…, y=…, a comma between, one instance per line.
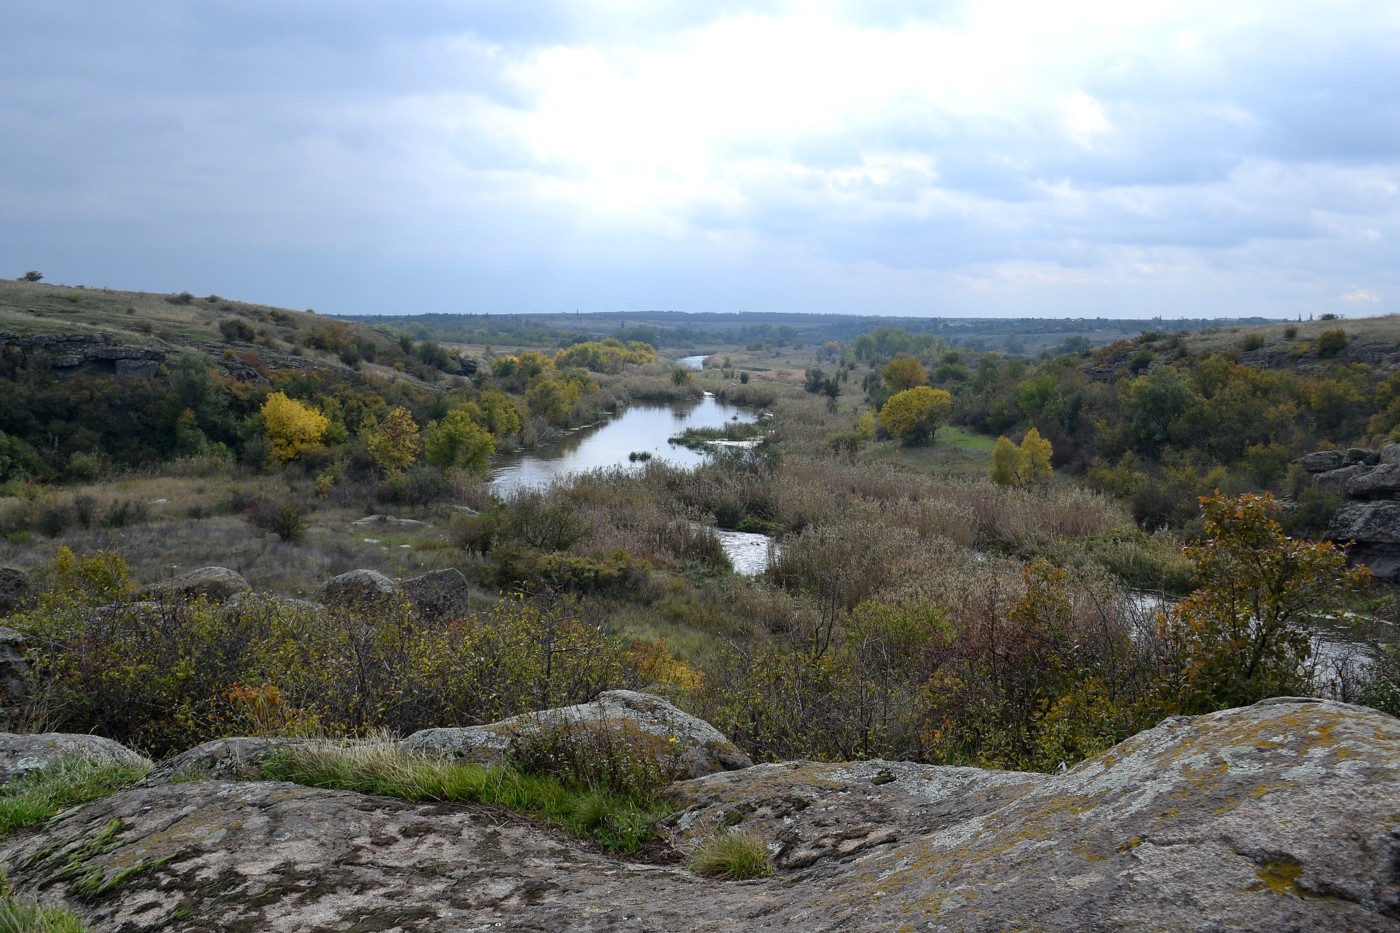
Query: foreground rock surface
x=1281, y=816
x=687, y=746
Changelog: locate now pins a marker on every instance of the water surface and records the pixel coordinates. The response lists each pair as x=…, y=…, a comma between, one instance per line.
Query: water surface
x=638, y=429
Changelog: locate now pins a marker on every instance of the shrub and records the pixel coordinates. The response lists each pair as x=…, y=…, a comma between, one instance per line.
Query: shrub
x=235, y=329
x=167, y=676
x=280, y=518
x=608, y=757
x=1380, y=684
x=1252, y=342
x=915, y=414
x=1331, y=342
x=420, y=486
x=732, y=855
x=52, y=519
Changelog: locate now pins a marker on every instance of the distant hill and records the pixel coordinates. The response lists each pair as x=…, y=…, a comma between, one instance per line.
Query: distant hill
x=212, y=325
x=705, y=330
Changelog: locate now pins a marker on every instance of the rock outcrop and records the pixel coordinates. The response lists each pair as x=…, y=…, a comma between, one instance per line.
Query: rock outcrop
x=1370, y=519
x=90, y=351
x=1283, y=816
x=14, y=587
x=686, y=746
x=438, y=595
x=14, y=667
x=215, y=584
x=359, y=589
x=222, y=759
x=20, y=754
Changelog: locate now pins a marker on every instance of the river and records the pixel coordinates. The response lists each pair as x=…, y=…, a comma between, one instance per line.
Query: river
x=637, y=429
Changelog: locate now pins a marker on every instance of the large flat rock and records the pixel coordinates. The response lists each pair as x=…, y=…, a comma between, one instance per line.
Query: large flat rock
x=1283, y=816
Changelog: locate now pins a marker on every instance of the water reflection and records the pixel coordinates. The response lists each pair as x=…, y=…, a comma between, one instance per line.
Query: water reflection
x=639, y=429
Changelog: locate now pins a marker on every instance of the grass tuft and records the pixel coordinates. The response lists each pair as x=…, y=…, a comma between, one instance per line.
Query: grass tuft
x=619, y=823
x=42, y=794
x=26, y=916
x=732, y=855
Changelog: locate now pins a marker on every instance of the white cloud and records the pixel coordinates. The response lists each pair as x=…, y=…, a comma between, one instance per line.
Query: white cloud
x=1132, y=153
x=1362, y=295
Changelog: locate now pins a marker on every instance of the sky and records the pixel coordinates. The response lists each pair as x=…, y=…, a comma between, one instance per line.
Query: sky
x=968, y=159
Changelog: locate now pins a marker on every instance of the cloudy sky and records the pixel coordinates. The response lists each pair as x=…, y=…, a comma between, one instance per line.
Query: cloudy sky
x=1008, y=157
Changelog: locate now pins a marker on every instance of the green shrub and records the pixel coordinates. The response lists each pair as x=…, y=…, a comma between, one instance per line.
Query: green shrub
x=1331, y=342
x=611, y=758
x=1380, y=686
x=166, y=676
x=732, y=855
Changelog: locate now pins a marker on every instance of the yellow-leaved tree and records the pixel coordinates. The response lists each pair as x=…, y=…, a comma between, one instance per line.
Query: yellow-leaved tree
x=1025, y=465
x=915, y=414
x=904, y=373
x=294, y=428
x=393, y=442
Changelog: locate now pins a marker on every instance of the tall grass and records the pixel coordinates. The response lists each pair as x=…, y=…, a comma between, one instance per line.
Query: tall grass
x=22, y=915
x=620, y=823
x=70, y=782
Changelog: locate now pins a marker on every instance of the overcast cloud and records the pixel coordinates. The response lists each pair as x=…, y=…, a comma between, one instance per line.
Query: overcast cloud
x=988, y=158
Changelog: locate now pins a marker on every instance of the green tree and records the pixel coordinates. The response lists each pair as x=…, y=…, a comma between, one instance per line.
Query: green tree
x=293, y=428
x=393, y=442
x=498, y=413
x=553, y=399
x=458, y=441
x=1243, y=634
x=915, y=414
x=1156, y=401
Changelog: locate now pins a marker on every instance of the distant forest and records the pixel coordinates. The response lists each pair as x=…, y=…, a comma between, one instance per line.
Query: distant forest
x=683, y=330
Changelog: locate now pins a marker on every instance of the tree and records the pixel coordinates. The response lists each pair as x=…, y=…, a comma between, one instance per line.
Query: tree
x=1034, y=459
x=904, y=373
x=458, y=441
x=1006, y=458
x=915, y=414
x=393, y=442
x=1242, y=635
x=32, y=276
x=293, y=428
x=553, y=399
x=498, y=413
x=1026, y=465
